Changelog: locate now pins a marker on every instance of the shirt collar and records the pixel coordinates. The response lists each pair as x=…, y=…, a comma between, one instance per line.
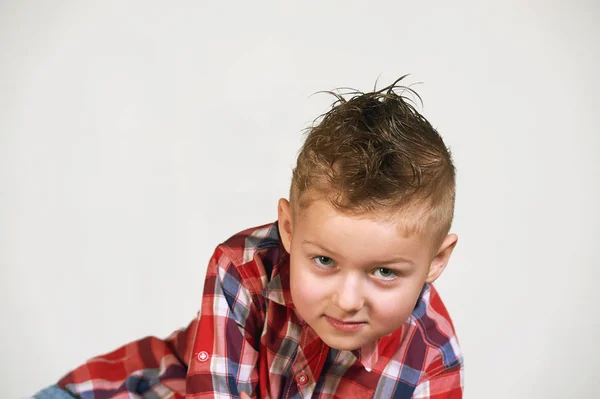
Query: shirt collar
x=278, y=288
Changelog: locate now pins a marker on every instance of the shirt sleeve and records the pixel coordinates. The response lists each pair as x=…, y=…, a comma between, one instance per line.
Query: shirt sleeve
x=146, y=366
x=447, y=384
x=214, y=355
x=226, y=348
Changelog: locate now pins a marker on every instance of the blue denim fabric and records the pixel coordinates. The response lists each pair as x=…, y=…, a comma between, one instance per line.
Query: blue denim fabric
x=52, y=392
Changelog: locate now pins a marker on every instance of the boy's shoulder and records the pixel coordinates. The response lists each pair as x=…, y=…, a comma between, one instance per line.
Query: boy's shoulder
x=262, y=236
x=243, y=246
x=252, y=256
x=437, y=338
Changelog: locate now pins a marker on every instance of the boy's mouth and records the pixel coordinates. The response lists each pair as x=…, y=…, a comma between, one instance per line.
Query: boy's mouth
x=343, y=325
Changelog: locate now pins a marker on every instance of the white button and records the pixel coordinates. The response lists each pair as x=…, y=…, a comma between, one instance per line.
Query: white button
x=202, y=356
x=301, y=378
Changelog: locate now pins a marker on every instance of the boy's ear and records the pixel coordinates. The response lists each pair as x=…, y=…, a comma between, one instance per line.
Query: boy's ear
x=284, y=217
x=439, y=262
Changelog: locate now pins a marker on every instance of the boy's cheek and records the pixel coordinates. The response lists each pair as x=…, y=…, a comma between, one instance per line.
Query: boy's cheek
x=307, y=286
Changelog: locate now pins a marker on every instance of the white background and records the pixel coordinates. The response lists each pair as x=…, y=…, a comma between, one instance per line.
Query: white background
x=135, y=136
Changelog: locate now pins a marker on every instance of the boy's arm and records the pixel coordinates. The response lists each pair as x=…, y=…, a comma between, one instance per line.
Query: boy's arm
x=216, y=354
x=142, y=366
x=446, y=384
x=225, y=351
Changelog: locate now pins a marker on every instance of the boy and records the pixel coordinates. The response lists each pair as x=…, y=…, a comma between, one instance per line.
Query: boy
x=334, y=300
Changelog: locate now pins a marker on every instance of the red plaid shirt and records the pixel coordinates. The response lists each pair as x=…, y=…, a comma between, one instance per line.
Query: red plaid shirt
x=248, y=338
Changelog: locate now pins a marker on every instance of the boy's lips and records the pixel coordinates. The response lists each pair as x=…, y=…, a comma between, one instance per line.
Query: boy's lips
x=345, y=325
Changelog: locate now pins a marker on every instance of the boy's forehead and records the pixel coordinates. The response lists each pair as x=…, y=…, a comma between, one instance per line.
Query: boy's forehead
x=412, y=219
x=363, y=241
x=323, y=222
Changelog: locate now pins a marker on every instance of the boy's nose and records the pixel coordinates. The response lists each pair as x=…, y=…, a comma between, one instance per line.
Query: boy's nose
x=348, y=297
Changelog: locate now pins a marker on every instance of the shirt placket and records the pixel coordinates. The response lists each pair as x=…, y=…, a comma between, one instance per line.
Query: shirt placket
x=301, y=372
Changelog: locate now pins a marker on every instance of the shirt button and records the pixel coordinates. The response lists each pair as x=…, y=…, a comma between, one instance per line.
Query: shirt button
x=301, y=378
x=202, y=356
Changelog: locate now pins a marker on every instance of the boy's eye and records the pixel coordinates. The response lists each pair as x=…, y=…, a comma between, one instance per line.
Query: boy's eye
x=385, y=273
x=323, y=261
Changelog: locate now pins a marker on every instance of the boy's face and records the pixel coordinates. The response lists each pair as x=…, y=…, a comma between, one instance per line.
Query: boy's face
x=355, y=279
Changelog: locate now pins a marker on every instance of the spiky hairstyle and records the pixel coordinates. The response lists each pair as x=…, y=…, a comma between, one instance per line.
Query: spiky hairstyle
x=375, y=153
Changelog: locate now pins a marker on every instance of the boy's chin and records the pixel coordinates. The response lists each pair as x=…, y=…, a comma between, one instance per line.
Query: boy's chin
x=344, y=348
x=342, y=344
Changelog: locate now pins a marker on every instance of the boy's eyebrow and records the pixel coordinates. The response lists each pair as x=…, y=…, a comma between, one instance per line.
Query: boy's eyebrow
x=318, y=245
x=388, y=261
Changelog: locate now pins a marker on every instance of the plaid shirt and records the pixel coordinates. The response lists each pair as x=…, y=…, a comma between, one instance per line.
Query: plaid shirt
x=248, y=338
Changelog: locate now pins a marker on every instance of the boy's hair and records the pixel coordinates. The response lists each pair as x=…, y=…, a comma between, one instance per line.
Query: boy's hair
x=375, y=153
